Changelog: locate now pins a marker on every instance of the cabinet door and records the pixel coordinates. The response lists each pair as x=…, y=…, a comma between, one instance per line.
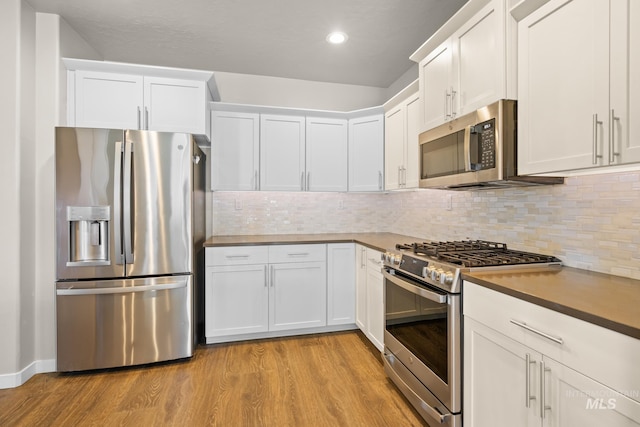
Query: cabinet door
x=479, y=60
x=394, y=129
x=327, y=150
x=500, y=387
x=375, y=308
x=361, y=288
x=375, y=299
x=174, y=105
x=236, y=300
x=573, y=399
x=563, y=86
x=625, y=82
x=366, y=153
x=341, y=283
x=235, y=151
x=435, y=86
x=282, y=155
x=298, y=296
x=108, y=100
x=411, y=147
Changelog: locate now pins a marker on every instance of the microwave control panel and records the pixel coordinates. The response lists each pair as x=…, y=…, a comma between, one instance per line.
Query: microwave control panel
x=486, y=137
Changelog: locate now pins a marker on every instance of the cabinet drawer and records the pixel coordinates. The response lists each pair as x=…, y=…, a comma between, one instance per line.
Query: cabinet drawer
x=297, y=253
x=236, y=255
x=601, y=354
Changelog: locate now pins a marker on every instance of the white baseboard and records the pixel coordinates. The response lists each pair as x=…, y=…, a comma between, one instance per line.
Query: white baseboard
x=19, y=378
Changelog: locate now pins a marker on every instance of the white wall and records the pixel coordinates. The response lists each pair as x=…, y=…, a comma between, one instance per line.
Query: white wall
x=46, y=111
x=282, y=92
x=55, y=39
x=31, y=82
x=26, y=148
x=403, y=81
x=10, y=11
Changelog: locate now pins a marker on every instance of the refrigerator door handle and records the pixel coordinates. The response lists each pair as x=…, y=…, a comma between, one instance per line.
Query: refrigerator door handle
x=122, y=290
x=126, y=208
x=117, y=197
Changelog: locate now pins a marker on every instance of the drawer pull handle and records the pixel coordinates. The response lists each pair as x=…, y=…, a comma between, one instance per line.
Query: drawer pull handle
x=236, y=256
x=535, y=331
x=298, y=254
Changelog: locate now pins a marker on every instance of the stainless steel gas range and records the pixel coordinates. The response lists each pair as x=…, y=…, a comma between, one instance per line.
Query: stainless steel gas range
x=423, y=318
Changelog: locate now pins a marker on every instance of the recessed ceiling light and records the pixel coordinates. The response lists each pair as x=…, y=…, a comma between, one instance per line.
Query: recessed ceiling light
x=337, y=37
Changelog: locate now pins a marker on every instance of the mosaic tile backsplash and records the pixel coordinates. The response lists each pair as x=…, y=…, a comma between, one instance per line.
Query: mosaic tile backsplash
x=590, y=222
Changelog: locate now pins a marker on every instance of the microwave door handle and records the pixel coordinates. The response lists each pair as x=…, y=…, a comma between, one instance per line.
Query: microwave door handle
x=467, y=149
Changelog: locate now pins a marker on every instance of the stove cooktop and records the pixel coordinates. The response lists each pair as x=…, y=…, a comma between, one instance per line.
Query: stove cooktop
x=475, y=253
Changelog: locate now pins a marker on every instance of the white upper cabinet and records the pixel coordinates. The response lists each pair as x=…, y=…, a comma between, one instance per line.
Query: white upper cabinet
x=108, y=100
x=436, y=85
x=128, y=96
x=471, y=67
x=282, y=153
x=579, y=85
x=235, y=150
x=174, y=105
x=625, y=81
x=366, y=153
x=401, y=130
x=479, y=60
x=326, y=148
x=282, y=149
x=303, y=154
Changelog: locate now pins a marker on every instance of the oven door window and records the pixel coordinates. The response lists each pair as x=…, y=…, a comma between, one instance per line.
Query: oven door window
x=420, y=325
x=443, y=156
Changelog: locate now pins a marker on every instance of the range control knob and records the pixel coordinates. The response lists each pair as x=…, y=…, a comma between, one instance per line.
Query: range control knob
x=447, y=278
x=438, y=275
x=427, y=272
x=396, y=259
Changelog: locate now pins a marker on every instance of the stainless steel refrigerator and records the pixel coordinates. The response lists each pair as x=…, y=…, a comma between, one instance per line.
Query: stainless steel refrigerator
x=130, y=223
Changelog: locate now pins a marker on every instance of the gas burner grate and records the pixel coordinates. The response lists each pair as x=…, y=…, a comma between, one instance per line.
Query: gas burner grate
x=475, y=253
x=434, y=249
x=492, y=258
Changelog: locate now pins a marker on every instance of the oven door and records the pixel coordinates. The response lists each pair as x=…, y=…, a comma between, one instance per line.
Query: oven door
x=423, y=332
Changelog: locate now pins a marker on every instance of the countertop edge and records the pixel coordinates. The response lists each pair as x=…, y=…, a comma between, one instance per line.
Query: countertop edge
x=563, y=309
x=364, y=239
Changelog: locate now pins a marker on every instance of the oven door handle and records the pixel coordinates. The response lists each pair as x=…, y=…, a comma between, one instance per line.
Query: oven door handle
x=432, y=296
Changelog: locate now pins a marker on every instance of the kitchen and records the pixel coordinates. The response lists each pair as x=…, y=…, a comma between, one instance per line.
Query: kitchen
x=589, y=222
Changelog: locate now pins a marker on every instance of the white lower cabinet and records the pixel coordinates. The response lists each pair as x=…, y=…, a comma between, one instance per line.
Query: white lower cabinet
x=274, y=290
x=298, y=295
x=237, y=300
x=516, y=377
x=370, y=295
x=341, y=283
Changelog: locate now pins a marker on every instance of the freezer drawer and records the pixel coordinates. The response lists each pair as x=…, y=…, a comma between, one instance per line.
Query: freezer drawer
x=110, y=323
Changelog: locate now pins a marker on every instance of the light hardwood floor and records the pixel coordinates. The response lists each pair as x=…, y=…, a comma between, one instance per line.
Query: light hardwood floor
x=318, y=380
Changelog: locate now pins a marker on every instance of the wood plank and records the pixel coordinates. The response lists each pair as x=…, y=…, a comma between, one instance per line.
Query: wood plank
x=316, y=380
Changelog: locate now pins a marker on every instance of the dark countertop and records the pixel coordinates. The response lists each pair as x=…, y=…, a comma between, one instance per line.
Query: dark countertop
x=377, y=241
x=609, y=301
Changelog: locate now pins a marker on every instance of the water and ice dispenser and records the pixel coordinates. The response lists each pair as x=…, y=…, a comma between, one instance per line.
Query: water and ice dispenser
x=88, y=235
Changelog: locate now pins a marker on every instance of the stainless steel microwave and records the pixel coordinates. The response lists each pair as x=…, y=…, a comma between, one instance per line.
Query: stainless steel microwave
x=475, y=151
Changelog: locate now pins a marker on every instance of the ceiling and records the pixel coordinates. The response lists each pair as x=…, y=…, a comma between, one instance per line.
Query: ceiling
x=282, y=38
